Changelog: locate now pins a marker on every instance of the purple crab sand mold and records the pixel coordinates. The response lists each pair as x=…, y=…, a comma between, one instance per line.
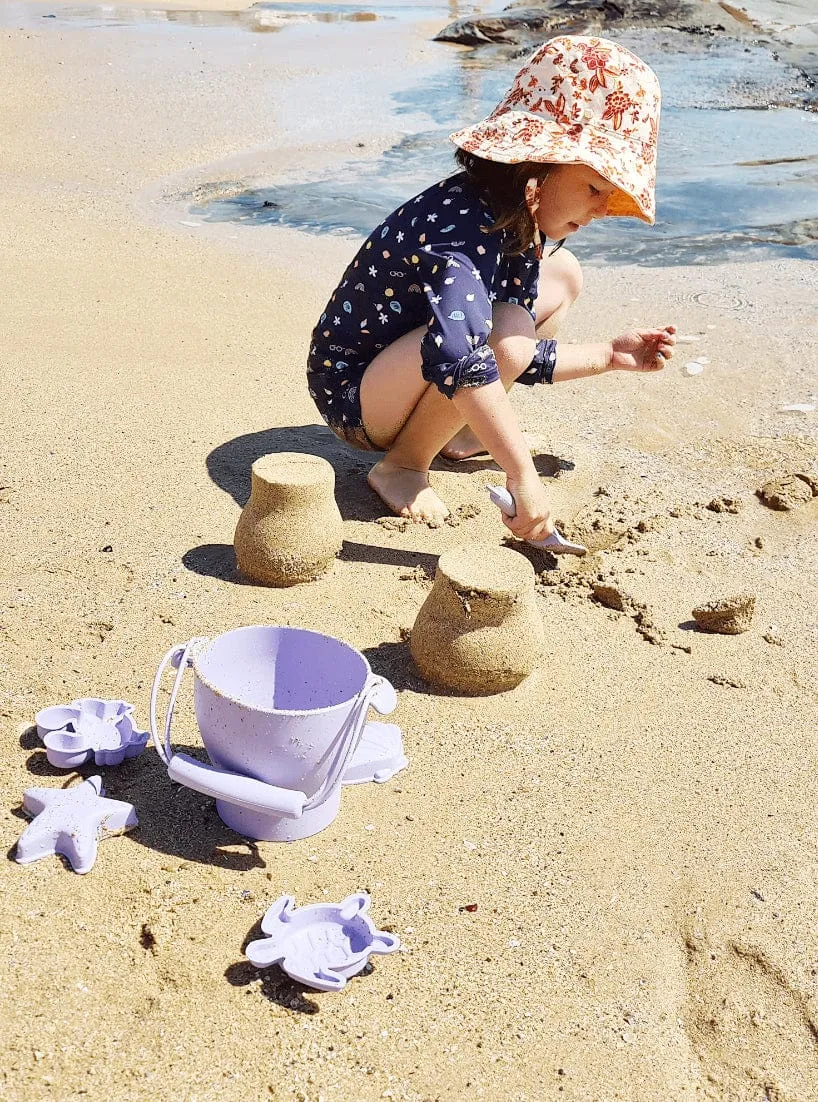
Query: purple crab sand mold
x=89, y=728
x=281, y=712
x=71, y=822
x=321, y=945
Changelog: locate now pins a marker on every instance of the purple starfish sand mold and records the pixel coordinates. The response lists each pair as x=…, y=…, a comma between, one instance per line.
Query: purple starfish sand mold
x=320, y=945
x=71, y=822
x=90, y=728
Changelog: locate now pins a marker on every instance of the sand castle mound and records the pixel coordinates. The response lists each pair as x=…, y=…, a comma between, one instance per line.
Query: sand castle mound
x=479, y=630
x=290, y=529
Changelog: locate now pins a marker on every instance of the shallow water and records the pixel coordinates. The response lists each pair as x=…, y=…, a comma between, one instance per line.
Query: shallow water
x=737, y=179
x=261, y=17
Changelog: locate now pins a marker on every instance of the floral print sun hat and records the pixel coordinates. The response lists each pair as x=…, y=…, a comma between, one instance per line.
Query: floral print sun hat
x=580, y=100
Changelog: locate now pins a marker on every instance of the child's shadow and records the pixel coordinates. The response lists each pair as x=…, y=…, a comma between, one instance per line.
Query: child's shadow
x=229, y=465
x=546, y=465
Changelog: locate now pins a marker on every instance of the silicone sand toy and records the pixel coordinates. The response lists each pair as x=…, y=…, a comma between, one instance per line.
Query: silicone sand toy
x=89, y=728
x=282, y=713
x=556, y=543
x=479, y=630
x=71, y=822
x=290, y=530
x=321, y=945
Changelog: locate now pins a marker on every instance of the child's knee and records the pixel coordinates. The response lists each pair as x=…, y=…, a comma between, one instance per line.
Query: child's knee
x=560, y=286
x=569, y=273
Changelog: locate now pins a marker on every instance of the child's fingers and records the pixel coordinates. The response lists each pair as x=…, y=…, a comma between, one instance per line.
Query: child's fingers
x=667, y=334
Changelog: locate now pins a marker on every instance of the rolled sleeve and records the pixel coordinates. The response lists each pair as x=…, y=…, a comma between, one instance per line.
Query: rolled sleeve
x=523, y=283
x=541, y=369
x=454, y=349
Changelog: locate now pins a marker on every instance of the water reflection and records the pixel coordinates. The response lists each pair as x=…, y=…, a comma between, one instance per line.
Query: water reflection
x=260, y=17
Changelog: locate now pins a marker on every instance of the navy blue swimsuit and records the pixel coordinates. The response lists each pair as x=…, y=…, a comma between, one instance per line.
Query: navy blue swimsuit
x=430, y=263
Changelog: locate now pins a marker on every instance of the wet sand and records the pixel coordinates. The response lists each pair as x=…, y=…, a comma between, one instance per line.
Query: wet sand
x=635, y=823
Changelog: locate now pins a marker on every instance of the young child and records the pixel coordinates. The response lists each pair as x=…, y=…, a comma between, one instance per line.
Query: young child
x=449, y=301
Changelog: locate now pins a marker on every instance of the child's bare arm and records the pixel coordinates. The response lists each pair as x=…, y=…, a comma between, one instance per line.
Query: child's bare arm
x=637, y=350
x=489, y=412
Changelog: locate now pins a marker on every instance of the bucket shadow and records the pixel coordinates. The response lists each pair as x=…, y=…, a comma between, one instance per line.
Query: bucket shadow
x=229, y=465
x=172, y=819
x=176, y=820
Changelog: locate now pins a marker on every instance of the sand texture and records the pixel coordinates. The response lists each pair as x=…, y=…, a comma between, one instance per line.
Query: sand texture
x=728, y=615
x=479, y=630
x=604, y=880
x=290, y=530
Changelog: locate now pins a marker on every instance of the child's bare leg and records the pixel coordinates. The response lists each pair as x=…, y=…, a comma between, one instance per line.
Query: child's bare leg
x=412, y=420
x=559, y=287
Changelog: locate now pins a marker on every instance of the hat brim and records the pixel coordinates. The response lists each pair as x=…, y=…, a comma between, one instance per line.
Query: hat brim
x=517, y=136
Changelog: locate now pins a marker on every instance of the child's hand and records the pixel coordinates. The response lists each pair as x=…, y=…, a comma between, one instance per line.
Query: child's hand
x=643, y=349
x=532, y=520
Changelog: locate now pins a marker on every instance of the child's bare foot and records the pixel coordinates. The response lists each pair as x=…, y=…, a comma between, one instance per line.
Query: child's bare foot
x=407, y=492
x=463, y=445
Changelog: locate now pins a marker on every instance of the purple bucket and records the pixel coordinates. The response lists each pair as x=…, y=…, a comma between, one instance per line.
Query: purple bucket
x=280, y=711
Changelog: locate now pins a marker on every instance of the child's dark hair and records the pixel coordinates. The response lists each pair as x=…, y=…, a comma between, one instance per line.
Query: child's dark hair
x=503, y=187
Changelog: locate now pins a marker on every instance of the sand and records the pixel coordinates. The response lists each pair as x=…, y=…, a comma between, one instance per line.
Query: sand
x=479, y=630
x=604, y=880
x=290, y=530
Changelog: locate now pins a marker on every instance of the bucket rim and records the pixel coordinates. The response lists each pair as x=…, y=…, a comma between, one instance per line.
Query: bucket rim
x=280, y=711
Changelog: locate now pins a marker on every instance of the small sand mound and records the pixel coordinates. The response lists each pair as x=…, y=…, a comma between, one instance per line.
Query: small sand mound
x=789, y=492
x=290, y=530
x=729, y=616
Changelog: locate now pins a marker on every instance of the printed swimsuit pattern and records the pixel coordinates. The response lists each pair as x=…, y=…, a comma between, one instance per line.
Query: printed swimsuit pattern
x=431, y=263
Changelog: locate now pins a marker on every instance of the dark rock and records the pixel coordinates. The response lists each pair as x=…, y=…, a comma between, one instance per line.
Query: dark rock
x=520, y=23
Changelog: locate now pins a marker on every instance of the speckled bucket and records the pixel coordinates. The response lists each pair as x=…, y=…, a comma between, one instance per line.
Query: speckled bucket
x=281, y=711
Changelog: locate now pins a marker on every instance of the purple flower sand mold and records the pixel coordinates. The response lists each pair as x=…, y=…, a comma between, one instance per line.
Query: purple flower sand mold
x=321, y=945
x=71, y=822
x=90, y=728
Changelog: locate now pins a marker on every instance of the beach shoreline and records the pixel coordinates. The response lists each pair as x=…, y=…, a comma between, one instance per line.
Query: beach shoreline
x=604, y=879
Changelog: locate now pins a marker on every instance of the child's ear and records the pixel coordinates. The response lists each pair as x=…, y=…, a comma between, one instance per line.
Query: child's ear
x=532, y=194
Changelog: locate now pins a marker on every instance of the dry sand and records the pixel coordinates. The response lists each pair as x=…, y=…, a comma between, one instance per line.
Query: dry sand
x=605, y=880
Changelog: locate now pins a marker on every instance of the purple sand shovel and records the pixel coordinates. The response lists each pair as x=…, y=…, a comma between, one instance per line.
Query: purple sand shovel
x=556, y=543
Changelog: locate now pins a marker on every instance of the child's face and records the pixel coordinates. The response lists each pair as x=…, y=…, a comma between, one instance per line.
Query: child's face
x=570, y=197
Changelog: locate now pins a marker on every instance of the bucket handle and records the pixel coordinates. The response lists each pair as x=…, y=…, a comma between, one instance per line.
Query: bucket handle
x=377, y=693
x=181, y=655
